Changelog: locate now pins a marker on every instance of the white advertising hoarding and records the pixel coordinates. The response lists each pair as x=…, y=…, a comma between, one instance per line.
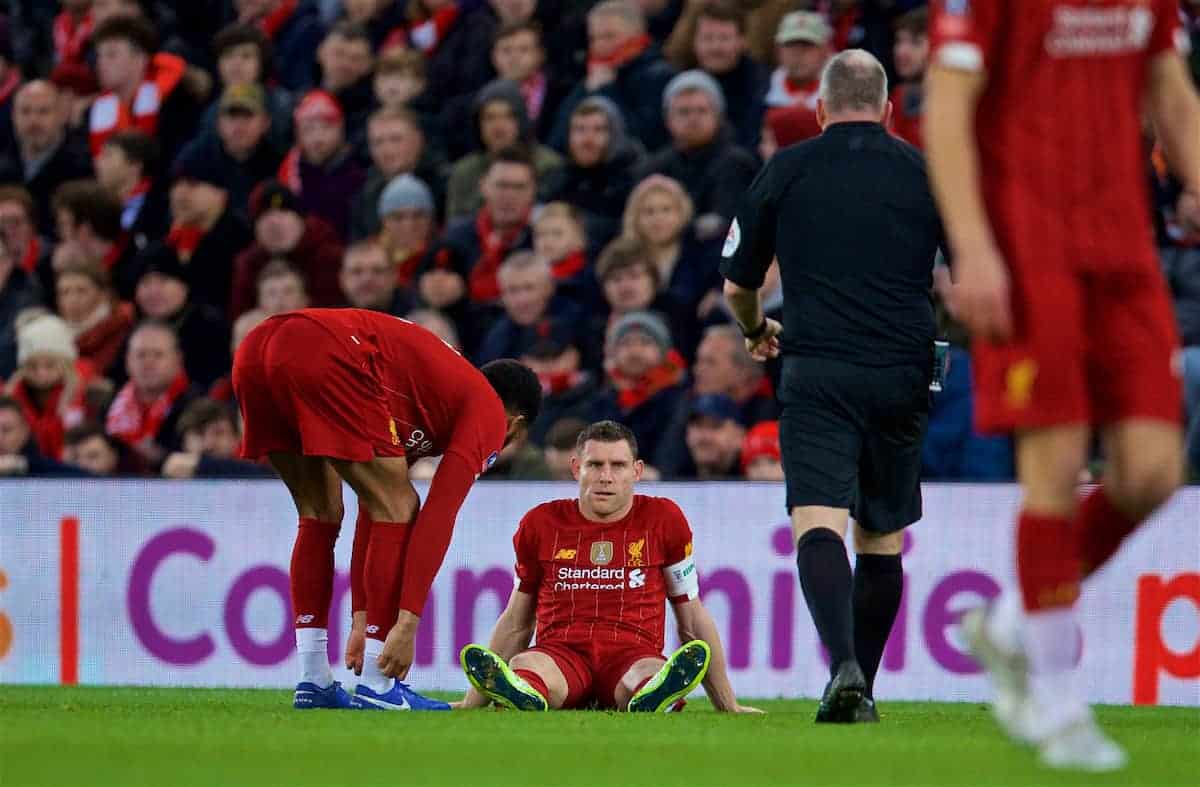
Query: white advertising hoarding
x=185, y=584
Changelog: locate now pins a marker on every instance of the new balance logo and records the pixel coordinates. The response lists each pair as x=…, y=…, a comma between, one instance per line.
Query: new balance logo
x=305, y=619
x=372, y=629
x=565, y=554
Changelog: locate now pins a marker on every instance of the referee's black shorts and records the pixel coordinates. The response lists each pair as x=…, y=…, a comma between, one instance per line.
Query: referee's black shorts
x=851, y=438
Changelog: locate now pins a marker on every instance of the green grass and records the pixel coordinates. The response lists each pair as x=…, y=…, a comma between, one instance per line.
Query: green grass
x=162, y=737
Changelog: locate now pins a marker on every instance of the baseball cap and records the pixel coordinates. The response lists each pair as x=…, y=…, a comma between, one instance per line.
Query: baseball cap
x=248, y=98
x=803, y=26
x=719, y=407
x=761, y=441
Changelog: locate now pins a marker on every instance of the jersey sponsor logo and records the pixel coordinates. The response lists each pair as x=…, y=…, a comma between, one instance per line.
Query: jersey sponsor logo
x=637, y=578
x=733, y=239
x=635, y=553
x=602, y=553
x=682, y=579
x=1081, y=31
x=570, y=572
x=595, y=579
x=566, y=554
x=1018, y=383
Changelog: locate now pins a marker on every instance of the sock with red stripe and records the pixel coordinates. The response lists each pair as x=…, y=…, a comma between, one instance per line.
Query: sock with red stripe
x=311, y=581
x=534, y=680
x=1102, y=528
x=382, y=582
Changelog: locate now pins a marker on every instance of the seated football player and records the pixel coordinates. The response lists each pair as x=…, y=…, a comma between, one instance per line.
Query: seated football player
x=593, y=576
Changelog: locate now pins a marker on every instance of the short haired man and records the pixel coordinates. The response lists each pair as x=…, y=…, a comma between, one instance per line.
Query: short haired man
x=802, y=48
x=721, y=51
x=593, y=575
x=369, y=280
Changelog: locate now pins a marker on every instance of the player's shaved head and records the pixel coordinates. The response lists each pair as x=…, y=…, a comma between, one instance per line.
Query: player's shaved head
x=853, y=81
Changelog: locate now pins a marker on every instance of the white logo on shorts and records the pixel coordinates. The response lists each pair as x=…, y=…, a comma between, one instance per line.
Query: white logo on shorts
x=372, y=629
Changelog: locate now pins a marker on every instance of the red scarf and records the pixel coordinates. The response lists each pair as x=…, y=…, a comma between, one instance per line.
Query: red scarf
x=131, y=421
x=115, y=253
x=568, y=266
x=289, y=170
x=33, y=252
x=49, y=423
x=624, y=53
x=427, y=35
x=109, y=114
x=71, y=37
x=407, y=265
x=632, y=393
x=10, y=83
x=533, y=90
x=561, y=382
x=483, y=285
x=274, y=21
x=802, y=89
x=184, y=239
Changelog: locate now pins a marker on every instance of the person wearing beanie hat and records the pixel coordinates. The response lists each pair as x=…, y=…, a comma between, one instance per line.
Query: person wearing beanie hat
x=406, y=213
x=702, y=155
x=645, y=377
x=48, y=384
x=284, y=229
x=322, y=169
x=501, y=121
x=762, y=459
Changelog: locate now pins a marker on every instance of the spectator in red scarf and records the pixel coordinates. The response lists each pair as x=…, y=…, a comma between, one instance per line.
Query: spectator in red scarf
x=283, y=229
x=89, y=228
x=43, y=157
x=49, y=383
x=479, y=244
x=322, y=169
x=98, y=320
x=72, y=28
x=762, y=458
x=398, y=146
x=911, y=54
x=19, y=230
x=126, y=167
x=406, y=213
x=295, y=31
x=144, y=414
x=568, y=389
x=369, y=281
x=206, y=233
x=625, y=66
x=802, y=47
x=645, y=376
x=281, y=288
x=19, y=455
x=559, y=238
x=531, y=309
x=346, y=59
x=144, y=89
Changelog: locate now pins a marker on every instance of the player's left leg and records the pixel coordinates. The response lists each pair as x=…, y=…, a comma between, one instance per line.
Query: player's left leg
x=317, y=493
x=652, y=685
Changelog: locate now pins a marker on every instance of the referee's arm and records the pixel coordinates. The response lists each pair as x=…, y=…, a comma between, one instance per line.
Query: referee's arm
x=749, y=249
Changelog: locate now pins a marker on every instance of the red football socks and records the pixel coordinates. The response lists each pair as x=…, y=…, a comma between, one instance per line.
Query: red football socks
x=358, y=560
x=1101, y=528
x=312, y=572
x=534, y=680
x=1047, y=561
x=382, y=575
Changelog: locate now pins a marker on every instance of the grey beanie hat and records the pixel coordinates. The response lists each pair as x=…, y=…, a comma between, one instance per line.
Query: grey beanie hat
x=405, y=192
x=694, y=79
x=648, y=323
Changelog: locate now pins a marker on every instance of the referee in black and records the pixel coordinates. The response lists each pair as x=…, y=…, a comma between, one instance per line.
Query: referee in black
x=851, y=219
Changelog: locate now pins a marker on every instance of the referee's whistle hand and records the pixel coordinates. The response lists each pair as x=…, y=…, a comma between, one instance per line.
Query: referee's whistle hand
x=979, y=298
x=766, y=346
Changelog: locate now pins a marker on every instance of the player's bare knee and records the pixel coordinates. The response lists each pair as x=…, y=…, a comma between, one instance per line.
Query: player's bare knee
x=525, y=661
x=1146, y=484
x=328, y=511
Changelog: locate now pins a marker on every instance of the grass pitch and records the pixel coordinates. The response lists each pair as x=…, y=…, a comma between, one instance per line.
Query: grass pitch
x=88, y=737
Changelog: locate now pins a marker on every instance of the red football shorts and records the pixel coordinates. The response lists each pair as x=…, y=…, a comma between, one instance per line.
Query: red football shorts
x=593, y=673
x=302, y=392
x=1088, y=347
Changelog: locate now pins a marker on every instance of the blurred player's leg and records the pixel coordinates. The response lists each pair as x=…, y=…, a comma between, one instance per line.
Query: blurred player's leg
x=356, y=642
x=827, y=582
x=317, y=492
x=878, y=587
x=683, y=671
x=522, y=686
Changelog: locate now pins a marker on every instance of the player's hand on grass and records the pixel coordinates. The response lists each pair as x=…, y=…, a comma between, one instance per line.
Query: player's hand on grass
x=400, y=647
x=979, y=297
x=471, y=700
x=766, y=346
x=356, y=643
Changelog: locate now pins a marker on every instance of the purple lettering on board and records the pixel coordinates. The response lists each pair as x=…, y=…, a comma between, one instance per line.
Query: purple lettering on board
x=182, y=540
x=468, y=587
x=783, y=603
x=939, y=616
x=737, y=592
x=270, y=653
x=426, y=632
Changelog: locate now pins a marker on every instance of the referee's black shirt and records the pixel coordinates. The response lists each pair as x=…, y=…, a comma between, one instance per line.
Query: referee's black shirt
x=852, y=219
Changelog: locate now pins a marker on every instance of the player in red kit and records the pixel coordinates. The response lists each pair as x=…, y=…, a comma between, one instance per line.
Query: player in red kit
x=1034, y=136
x=346, y=394
x=593, y=576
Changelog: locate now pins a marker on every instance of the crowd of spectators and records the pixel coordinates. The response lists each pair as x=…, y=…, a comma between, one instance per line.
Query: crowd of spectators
x=549, y=180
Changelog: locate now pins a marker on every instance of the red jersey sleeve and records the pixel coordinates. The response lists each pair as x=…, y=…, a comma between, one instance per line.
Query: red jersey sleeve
x=1168, y=31
x=964, y=33
x=528, y=566
x=679, y=569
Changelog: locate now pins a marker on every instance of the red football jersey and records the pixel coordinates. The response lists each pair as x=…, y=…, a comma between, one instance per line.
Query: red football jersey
x=1058, y=126
x=599, y=582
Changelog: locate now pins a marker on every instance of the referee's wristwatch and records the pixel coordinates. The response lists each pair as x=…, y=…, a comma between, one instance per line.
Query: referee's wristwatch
x=757, y=333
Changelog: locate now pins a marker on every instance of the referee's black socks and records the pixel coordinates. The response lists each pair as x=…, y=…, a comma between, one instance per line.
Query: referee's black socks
x=878, y=584
x=826, y=580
